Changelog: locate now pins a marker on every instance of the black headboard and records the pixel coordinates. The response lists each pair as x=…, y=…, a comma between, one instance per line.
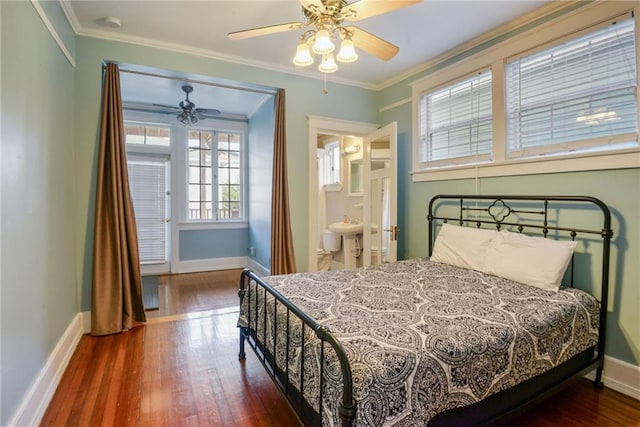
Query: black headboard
x=536, y=215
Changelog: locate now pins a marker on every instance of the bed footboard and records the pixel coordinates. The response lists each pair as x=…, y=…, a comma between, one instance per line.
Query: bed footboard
x=267, y=352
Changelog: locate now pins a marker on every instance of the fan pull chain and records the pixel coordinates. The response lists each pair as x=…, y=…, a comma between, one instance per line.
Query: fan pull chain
x=324, y=89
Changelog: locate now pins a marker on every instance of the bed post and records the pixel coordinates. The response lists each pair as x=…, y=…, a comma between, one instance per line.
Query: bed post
x=243, y=330
x=607, y=234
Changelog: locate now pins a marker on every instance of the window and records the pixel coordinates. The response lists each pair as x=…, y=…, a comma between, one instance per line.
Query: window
x=456, y=122
x=558, y=97
x=332, y=160
x=214, y=171
x=576, y=95
x=143, y=134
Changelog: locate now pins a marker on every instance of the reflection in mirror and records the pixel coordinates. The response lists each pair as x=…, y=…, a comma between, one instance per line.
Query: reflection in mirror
x=375, y=209
x=380, y=154
x=385, y=220
x=355, y=177
x=380, y=220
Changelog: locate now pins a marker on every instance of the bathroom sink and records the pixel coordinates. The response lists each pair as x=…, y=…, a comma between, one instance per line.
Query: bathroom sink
x=346, y=229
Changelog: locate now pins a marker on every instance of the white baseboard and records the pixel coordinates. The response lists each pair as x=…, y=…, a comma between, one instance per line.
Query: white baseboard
x=199, y=265
x=258, y=268
x=36, y=401
x=86, y=322
x=620, y=376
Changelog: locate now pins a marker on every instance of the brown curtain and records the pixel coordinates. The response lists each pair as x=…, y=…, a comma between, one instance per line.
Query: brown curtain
x=282, y=254
x=116, y=299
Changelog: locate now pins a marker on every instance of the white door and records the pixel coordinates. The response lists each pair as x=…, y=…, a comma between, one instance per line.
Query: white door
x=380, y=230
x=149, y=180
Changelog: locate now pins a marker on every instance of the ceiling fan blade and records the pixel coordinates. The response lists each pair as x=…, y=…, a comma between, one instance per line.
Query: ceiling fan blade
x=173, y=107
x=315, y=6
x=363, y=9
x=371, y=44
x=208, y=111
x=261, y=31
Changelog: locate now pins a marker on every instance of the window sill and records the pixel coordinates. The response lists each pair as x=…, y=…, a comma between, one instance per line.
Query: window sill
x=213, y=225
x=575, y=163
x=333, y=187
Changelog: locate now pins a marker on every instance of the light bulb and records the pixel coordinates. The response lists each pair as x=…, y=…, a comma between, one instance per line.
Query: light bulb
x=323, y=43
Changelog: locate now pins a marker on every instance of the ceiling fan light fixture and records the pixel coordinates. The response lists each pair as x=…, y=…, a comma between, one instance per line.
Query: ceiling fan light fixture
x=187, y=118
x=347, y=52
x=323, y=44
x=328, y=64
x=303, y=56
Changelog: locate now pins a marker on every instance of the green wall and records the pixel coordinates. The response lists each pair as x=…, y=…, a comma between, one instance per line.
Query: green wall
x=261, y=131
x=620, y=189
x=207, y=244
x=303, y=95
x=38, y=286
x=50, y=118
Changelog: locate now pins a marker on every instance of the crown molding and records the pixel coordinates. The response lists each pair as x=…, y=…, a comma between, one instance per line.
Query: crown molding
x=79, y=30
x=70, y=15
x=56, y=37
x=546, y=10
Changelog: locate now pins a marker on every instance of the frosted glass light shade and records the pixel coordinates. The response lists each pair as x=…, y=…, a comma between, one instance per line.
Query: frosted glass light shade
x=347, y=52
x=323, y=43
x=303, y=55
x=328, y=64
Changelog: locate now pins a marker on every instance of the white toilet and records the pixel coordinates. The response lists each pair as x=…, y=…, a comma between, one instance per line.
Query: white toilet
x=331, y=243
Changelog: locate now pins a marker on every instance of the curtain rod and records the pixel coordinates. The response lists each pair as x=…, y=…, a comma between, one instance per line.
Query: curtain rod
x=187, y=80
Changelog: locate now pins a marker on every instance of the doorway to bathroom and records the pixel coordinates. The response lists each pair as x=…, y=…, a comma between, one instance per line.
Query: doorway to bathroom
x=343, y=198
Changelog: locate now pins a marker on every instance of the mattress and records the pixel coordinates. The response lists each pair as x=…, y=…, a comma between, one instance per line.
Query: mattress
x=422, y=337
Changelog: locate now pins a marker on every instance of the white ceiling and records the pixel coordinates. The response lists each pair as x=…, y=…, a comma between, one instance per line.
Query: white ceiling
x=422, y=31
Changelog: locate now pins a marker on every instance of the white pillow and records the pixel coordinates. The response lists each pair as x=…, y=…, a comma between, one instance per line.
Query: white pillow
x=462, y=246
x=533, y=261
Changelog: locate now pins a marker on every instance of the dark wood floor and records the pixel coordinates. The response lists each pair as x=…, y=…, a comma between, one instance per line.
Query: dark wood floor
x=181, y=369
x=203, y=293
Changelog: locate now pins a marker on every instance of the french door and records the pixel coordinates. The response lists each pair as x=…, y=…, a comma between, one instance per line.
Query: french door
x=149, y=181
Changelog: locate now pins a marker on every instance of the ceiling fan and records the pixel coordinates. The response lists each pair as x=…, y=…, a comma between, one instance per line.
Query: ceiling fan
x=187, y=112
x=327, y=18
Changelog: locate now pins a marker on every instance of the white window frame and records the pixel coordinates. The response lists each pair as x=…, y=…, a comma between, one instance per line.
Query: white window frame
x=494, y=57
x=425, y=160
x=215, y=130
x=332, y=158
x=213, y=127
x=179, y=171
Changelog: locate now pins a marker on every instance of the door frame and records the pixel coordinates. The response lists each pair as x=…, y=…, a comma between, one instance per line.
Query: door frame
x=318, y=125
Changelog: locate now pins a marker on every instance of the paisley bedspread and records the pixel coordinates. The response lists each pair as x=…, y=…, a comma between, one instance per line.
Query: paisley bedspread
x=422, y=337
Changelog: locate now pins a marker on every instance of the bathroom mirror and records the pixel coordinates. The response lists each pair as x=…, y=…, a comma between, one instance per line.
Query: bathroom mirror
x=355, y=177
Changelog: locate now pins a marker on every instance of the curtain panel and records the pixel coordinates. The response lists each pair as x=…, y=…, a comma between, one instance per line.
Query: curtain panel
x=116, y=300
x=282, y=252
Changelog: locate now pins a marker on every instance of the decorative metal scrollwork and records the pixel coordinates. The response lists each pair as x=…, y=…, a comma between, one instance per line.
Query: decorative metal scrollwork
x=499, y=210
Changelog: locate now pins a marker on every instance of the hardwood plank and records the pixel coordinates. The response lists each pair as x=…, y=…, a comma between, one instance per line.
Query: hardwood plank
x=183, y=369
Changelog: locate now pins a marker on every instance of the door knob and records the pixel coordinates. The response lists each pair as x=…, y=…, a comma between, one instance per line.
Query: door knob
x=394, y=230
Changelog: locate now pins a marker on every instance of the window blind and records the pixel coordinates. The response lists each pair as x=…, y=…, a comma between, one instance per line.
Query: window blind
x=147, y=181
x=456, y=122
x=577, y=95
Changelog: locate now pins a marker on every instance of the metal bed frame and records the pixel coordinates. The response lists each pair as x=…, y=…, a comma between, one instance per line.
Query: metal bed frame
x=472, y=210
